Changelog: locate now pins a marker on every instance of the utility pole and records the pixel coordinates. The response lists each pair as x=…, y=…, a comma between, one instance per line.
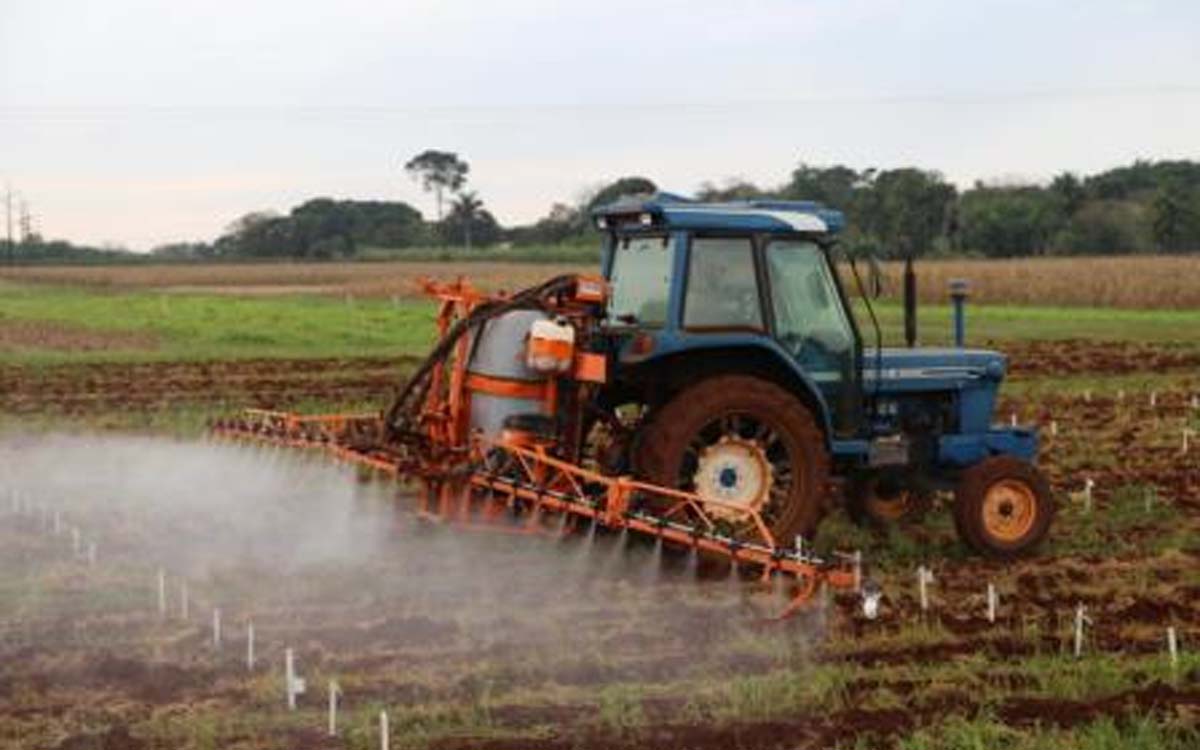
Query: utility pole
x=25, y=222
x=8, y=220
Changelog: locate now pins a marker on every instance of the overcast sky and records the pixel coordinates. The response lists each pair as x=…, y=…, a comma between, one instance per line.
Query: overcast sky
x=138, y=122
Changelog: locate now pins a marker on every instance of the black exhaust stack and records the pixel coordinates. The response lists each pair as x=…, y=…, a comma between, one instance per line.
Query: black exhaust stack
x=910, y=303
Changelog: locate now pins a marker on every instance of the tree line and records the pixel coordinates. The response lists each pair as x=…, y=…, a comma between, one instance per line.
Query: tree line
x=1148, y=206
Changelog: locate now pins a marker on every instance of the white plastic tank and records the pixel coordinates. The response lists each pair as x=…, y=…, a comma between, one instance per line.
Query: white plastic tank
x=500, y=352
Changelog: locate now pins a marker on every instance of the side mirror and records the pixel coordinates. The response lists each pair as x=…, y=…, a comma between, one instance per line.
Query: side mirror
x=874, y=277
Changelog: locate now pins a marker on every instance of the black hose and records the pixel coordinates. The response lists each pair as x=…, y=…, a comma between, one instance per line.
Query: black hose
x=404, y=408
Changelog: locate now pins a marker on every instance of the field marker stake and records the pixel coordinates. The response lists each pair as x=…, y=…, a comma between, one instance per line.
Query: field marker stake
x=1088, y=485
x=216, y=629
x=184, y=600
x=293, y=684
x=1081, y=619
x=334, y=691
x=384, y=733
x=91, y=554
x=1187, y=434
x=75, y=540
x=1013, y=419
x=57, y=522
x=1196, y=402
x=924, y=578
x=1173, y=647
x=991, y=602
x=1153, y=399
x=250, y=647
x=858, y=571
x=162, y=593
x=1121, y=395
x=1087, y=396
x=1054, y=428
x=871, y=595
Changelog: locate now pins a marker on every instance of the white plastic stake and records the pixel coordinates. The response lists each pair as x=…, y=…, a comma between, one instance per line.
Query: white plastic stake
x=91, y=554
x=184, y=601
x=1196, y=402
x=1054, y=428
x=1153, y=399
x=1173, y=647
x=57, y=522
x=1080, y=619
x=75, y=541
x=334, y=691
x=1088, y=486
x=385, y=739
x=1087, y=396
x=1187, y=435
x=162, y=593
x=991, y=602
x=924, y=578
x=871, y=595
x=250, y=647
x=216, y=629
x=292, y=684
x=1013, y=419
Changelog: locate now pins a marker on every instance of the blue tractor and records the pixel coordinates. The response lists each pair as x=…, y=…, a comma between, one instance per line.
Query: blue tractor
x=739, y=372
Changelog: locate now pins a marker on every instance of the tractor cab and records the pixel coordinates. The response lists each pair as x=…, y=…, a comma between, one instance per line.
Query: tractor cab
x=710, y=303
x=716, y=278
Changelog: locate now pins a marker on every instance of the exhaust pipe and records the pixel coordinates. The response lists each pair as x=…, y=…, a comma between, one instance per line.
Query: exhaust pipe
x=958, y=296
x=910, y=303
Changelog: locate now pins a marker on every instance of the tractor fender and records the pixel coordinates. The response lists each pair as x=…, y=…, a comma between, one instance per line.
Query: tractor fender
x=680, y=361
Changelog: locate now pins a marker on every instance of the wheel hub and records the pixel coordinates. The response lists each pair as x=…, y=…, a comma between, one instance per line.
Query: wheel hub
x=735, y=471
x=1009, y=510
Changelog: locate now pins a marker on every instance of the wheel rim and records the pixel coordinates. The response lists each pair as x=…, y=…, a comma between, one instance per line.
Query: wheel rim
x=740, y=459
x=735, y=471
x=1009, y=510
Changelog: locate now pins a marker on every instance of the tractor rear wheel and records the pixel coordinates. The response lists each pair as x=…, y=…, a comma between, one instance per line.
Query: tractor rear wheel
x=1003, y=507
x=747, y=442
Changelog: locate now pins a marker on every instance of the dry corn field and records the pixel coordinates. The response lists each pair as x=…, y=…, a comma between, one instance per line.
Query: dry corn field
x=1128, y=282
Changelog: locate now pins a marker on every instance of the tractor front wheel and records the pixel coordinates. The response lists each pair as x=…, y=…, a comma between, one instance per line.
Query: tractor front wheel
x=747, y=443
x=1003, y=507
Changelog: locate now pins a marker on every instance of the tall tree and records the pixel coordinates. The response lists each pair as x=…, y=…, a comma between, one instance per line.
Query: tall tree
x=438, y=172
x=914, y=206
x=464, y=212
x=1170, y=217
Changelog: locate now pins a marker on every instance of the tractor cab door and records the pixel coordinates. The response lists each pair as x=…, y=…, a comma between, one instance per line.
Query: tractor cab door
x=810, y=320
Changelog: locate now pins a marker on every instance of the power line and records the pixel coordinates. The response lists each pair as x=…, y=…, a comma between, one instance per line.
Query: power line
x=601, y=104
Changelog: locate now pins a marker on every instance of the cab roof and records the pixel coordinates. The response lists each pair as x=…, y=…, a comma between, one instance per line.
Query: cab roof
x=664, y=210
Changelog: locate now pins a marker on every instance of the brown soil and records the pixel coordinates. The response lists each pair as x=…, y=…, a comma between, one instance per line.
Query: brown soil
x=92, y=388
x=16, y=335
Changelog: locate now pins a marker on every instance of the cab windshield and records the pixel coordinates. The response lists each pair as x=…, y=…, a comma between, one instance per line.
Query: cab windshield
x=640, y=280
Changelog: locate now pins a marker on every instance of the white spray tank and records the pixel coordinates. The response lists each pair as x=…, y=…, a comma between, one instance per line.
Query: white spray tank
x=499, y=355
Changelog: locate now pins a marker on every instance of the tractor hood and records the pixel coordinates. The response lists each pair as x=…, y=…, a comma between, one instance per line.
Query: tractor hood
x=908, y=370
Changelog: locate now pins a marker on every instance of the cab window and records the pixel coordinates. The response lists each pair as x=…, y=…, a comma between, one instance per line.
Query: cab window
x=722, y=289
x=641, y=280
x=810, y=321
